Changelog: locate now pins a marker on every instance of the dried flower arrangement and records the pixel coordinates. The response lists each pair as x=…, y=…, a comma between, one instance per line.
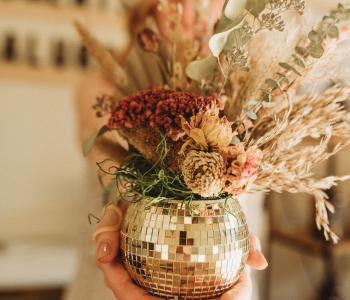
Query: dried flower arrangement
x=229, y=122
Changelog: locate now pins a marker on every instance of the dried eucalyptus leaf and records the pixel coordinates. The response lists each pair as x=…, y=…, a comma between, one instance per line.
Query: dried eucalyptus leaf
x=234, y=8
x=255, y=6
x=235, y=140
x=266, y=92
x=284, y=77
x=285, y=66
x=301, y=51
x=273, y=84
x=250, y=113
x=296, y=72
x=253, y=102
x=89, y=143
x=233, y=39
x=315, y=37
x=298, y=61
x=316, y=50
x=266, y=95
x=201, y=68
x=328, y=20
x=218, y=41
x=332, y=31
x=285, y=80
x=268, y=104
x=235, y=23
x=341, y=7
x=343, y=15
x=334, y=14
x=224, y=21
x=290, y=68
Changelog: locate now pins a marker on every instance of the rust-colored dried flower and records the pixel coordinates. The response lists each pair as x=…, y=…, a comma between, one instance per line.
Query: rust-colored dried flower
x=148, y=40
x=146, y=139
x=162, y=108
x=204, y=172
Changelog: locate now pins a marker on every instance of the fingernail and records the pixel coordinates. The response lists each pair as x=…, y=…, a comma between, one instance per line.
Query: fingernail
x=105, y=249
x=262, y=257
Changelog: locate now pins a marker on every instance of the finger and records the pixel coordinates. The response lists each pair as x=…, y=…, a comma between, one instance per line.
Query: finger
x=107, y=247
x=242, y=290
x=119, y=281
x=124, y=204
x=107, y=235
x=256, y=259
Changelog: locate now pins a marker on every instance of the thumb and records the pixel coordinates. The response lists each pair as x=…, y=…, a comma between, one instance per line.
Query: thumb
x=256, y=259
x=107, y=235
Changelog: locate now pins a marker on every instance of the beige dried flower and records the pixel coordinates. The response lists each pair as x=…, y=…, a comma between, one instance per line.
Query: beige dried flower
x=204, y=172
x=206, y=131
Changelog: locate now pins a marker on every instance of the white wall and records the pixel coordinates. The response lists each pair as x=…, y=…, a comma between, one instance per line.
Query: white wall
x=42, y=167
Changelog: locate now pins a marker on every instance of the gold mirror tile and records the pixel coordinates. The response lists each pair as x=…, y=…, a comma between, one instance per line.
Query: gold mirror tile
x=187, y=220
x=180, y=212
x=197, y=242
x=204, y=241
x=208, y=220
x=180, y=227
x=179, y=256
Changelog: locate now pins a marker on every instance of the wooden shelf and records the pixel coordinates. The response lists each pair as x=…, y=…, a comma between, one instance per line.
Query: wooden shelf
x=51, y=12
x=18, y=71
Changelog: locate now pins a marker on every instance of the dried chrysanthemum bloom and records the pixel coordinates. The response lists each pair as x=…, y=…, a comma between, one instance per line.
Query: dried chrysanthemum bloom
x=160, y=108
x=206, y=131
x=243, y=168
x=204, y=172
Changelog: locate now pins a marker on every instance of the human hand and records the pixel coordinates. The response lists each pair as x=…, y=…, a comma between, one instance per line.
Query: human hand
x=115, y=275
x=118, y=280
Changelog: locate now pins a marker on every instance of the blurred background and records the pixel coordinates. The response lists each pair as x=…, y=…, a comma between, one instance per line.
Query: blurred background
x=42, y=182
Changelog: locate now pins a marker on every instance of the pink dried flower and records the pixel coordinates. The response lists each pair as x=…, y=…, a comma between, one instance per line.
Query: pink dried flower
x=162, y=108
x=243, y=168
x=148, y=40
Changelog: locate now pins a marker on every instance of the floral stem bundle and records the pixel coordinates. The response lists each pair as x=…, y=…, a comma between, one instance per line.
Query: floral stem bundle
x=226, y=111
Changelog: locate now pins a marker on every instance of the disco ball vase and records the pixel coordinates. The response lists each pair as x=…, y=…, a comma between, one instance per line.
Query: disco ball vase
x=172, y=253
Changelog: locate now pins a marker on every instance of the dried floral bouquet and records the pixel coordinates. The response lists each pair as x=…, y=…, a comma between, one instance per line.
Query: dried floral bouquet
x=229, y=113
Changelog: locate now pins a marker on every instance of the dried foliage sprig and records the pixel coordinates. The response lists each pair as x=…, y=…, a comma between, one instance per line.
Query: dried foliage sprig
x=314, y=49
x=102, y=55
